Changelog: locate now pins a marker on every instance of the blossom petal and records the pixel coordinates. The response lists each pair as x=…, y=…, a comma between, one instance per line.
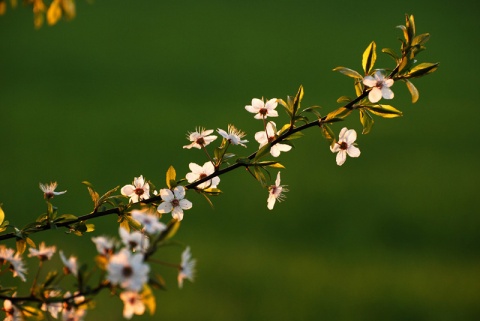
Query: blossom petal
x=271, y=201
x=177, y=213
x=341, y=157
x=350, y=136
x=271, y=104
x=165, y=207
x=195, y=168
x=166, y=195
x=179, y=192
x=185, y=204
x=353, y=151
x=369, y=81
x=387, y=93
x=375, y=95
x=127, y=190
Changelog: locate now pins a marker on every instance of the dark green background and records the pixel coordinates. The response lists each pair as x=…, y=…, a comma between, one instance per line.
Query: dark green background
x=392, y=235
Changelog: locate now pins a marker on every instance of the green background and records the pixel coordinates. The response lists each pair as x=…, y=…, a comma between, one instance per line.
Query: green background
x=392, y=235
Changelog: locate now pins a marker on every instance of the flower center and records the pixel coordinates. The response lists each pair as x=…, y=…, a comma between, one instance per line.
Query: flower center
x=203, y=175
x=175, y=203
x=263, y=111
x=379, y=84
x=343, y=145
x=132, y=244
x=139, y=191
x=271, y=139
x=200, y=141
x=127, y=271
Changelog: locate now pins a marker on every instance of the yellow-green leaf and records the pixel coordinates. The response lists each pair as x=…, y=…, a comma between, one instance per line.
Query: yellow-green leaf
x=21, y=246
x=171, y=175
x=297, y=100
x=148, y=299
x=348, y=72
x=338, y=114
x=2, y=215
x=422, y=69
x=369, y=57
x=413, y=91
x=366, y=120
x=385, y=111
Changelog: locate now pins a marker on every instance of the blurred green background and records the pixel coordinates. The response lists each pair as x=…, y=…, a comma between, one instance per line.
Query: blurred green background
x=392, y=235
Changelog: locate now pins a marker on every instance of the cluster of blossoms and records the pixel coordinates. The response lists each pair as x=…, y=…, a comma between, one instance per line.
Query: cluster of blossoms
x=125, y=263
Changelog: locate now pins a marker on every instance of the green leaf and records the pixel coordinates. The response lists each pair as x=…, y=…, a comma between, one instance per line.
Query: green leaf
x=420, y=40
x=348, y=72
x=410, y=26
x=105, y=197
x=260, y=176
x=344, y=99
x=50, y=278
x=21, y=245
x=391, y=53
x=369, y=57
x=358, y=87
x=262, y=152
x=65, y=217
x=422, y=69
x=294, y=136
x=170, y=178
x=297, y=100
x=2, y=215
x=385, y=111
x=413, y=91
x=338, y=114
x=328, y=133
x=94, y=195
x=148, y=299
x=366, y=120
x=172, y=228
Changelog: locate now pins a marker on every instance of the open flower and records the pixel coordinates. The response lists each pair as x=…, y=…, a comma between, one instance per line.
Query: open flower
x=199, y=172
x=74, y=307
x=52, y=307
x=43, y=253
x=140, y=190
x=16, y=263
x=132, y=304
x=200, y=138
x=135, y=241
x=150, y=222
x=104, y=245
x=234, y=135
x=380, y=86
x=275, y=192
x=345, y=145
x=265, y=137
x=70, y=265
x=174, y=202
x=187, y=267
x=49, y=190
x=261, y=109
x=128, y=270
x=12, y=313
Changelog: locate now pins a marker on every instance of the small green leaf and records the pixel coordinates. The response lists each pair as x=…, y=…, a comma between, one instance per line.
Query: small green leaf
x=410, y=26
x=369, y=57
x=2, y=215
x=170, y=178
x=297, y=100
x=328, y=133
x=172, y=228
x=413, y=91
x=344, y=99
x=260, y=176
x=358, y=87
x=338, y=114
x=385, y=111
x=262, y=152
x=422, y=69
x=366, y=120
x=391, y=53
x=420, y=40
x=21, y=245
x=293, y=136
x=94, y=195
x=148, y=299
x=348, y=72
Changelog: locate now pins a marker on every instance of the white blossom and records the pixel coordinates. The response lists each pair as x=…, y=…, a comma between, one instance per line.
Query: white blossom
x=49, y=190
x=128, y=270
x=199, y=172
x=74, y=308
x=187, y=267
x=174, y=202
x=12, y=312
x=52, y=307
x=200, y=138
x=132, y=304
x=16, y=264
x=150, y=222
x=380, y=86
x=275, y=192
x=104, y=245
x=140, y=190
x=43, y=252
x=134, y=241
x=234, y=135
x=269, y=135
x=345, y=145
x=70, y=264
x=262, y=109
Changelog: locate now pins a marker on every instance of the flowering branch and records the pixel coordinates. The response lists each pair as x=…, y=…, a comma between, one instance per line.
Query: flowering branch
x=124, y=266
